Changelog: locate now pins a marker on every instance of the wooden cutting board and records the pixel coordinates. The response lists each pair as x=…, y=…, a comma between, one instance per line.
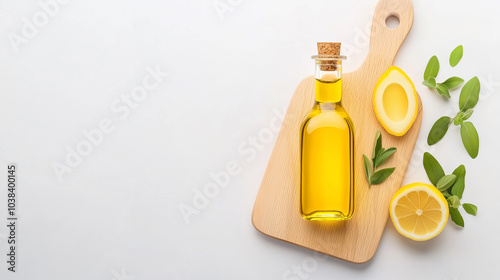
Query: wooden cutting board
x=276, y=209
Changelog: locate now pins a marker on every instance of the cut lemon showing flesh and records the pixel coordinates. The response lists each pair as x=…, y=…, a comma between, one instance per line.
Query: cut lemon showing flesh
x=419, y=211
x=395, y=101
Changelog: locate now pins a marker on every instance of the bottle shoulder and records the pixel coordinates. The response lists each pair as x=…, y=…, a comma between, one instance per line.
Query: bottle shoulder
x=337, y=118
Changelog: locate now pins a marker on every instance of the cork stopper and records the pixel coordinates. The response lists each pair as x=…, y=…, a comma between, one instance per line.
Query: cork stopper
x=328, y=48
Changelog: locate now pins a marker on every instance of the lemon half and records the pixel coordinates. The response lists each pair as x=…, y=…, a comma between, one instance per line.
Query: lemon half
x=419, y=211
x=395, y=101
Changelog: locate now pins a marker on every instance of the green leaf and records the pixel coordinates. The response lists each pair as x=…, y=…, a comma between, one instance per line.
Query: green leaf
x=430, y=83
x=379, y=156
x=453, y=201
x=382, y=174
x=469, y=94
x=377, y=145
x=467, y=114
x=459, y=186
x=470, y=138
x=456, y=55
x=470, y=208
x=432, y=168
x=446, y=194
x=380, y=152
x=443, y=90
x=446, y=182
x=459, y=118
x=384, y=156
x=432, y=68
x=456, y=217
x=368, y=168
x=453, y=82
x=438, y=130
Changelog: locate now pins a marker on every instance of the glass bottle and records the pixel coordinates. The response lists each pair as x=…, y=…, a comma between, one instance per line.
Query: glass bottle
x=327, y=148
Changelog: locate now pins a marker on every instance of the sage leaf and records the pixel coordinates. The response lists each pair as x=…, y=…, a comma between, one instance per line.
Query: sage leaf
x=368, y=168
x=379, y=153
x=446, y=182
x=377, y=145
x=432, y=68
x=453, y=82
x=459, y=118
x=430, y=83
x=453, y=201
x=469, y=94
x=467, y=114
x=470, y=138
x=379, y=156
x=438, y=130
x=446, y=194
x=382, y=174
x=471, y=209
x=459, y=186
x=456, y=55
x=443, y=90
x=432, y=168
x=456, y=217
x=384, y=156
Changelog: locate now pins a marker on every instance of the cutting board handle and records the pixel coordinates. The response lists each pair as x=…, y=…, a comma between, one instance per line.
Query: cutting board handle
x=384, y=41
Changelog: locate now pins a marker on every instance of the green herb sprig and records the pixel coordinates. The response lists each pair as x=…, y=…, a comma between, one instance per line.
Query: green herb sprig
x=469, y=97
x=379, y=156
x=452, y=187
x=432, y=70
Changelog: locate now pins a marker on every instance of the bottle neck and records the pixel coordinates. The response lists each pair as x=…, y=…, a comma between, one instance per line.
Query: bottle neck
x=328, y=82
x=329, y=90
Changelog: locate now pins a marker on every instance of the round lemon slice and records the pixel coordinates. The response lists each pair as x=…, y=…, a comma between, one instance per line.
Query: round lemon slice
x=419, y=211
x=395, y=101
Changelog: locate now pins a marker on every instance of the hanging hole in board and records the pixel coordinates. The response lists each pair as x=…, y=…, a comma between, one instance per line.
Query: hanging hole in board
x=392, y=21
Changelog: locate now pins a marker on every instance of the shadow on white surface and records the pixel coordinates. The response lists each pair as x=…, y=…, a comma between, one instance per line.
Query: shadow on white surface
x=428, y=247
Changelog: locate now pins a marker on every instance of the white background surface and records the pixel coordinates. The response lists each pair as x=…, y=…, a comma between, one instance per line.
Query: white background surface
x=116, y=216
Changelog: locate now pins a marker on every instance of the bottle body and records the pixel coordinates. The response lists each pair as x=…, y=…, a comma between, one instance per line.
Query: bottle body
x=327, y=156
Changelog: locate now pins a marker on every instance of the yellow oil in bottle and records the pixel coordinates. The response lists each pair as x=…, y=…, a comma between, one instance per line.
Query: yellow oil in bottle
x=327, y=154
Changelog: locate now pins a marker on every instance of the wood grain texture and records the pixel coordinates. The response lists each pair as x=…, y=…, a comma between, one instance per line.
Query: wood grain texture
x=276, y=209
